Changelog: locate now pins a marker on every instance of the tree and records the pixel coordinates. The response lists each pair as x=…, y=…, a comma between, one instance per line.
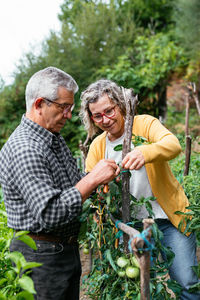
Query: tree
x=99, y=35
x=146, y=67
x=187, y=20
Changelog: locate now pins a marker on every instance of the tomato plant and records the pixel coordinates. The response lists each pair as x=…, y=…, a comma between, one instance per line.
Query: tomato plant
x=15, y=283
x=108, y=278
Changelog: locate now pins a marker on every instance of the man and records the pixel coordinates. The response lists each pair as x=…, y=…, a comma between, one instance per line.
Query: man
x=103, y=107
x=43, y=189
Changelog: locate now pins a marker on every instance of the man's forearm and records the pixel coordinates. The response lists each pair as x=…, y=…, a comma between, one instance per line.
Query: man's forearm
x=86, y=186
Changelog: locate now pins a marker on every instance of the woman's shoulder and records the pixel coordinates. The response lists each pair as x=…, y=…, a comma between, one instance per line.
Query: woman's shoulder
x=143, y=118
x=99, y=139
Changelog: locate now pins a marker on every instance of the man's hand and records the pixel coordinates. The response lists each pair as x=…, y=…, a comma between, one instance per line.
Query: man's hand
x=134, y=160
x=104, y=171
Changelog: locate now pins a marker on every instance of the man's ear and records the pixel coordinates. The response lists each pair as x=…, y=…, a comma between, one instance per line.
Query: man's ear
x=38, y=103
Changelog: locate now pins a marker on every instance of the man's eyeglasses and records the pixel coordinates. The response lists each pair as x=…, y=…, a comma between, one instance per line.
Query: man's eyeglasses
x=64, y=106
x=109, y=113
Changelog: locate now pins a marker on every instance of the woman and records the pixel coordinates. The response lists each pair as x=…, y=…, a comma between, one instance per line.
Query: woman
x=103, y=107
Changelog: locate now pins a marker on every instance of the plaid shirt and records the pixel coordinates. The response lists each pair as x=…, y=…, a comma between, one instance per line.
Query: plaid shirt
x=38, y=174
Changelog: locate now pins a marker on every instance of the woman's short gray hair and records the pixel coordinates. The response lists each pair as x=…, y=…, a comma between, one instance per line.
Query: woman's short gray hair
x=92, y=94
x=45, y=83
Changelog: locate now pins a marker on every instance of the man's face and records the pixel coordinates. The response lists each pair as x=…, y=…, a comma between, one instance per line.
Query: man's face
x=54, y=116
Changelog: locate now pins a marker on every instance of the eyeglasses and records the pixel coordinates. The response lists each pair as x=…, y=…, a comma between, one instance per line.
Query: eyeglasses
x=109, y=113
x=64, y=106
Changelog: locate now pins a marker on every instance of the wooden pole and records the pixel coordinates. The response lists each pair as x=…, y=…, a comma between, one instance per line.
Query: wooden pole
x=84, y=150
x=144, y=261
x=187, y=136
x=130, y=102
x=143, y=257
x=195, y=96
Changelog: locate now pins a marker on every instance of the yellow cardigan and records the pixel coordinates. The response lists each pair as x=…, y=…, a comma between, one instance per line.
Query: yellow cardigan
x=163, y=147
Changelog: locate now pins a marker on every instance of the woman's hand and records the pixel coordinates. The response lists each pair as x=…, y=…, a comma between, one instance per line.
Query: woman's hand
x=134, y=160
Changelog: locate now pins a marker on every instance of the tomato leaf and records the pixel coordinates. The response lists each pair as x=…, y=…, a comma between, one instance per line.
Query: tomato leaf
x=110, y=259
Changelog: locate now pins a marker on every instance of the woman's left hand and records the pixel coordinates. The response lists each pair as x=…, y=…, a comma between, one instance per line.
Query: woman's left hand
x=134, y=160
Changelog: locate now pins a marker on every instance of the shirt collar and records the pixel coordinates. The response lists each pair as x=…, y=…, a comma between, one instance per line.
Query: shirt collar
x=43, y=134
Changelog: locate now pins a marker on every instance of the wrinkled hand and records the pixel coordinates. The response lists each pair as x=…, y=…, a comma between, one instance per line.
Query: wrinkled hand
x=134, y=160
x=105, y=171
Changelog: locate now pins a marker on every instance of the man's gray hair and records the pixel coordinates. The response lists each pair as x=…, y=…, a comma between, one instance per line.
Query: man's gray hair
x=45, y=83
x=92, y=94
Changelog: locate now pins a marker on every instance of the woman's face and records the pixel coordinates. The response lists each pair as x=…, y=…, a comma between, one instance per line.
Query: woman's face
x=113, y=123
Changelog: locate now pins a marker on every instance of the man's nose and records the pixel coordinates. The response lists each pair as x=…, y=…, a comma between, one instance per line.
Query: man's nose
x=67, y=114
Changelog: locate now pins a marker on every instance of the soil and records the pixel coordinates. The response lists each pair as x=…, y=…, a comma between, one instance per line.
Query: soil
x=85, y=262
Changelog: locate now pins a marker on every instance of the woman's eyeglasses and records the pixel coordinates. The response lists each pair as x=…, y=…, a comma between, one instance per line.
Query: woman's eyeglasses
x=64, y=106
x=109, y=113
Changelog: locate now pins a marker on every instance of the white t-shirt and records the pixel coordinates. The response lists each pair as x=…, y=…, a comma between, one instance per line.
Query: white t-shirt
x=139, y=183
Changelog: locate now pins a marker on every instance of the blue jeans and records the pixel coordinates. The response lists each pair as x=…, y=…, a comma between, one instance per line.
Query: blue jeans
x=184, y=249
x=59, y=276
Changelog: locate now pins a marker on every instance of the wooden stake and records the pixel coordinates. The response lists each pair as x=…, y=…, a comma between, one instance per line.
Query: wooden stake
x=130, y=102
x=142, y=257
x=187, y=136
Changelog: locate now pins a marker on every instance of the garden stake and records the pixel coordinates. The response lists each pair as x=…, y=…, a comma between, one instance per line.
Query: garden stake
x=130, y=102
x=143, y=257
x=144, y=260
x=187, y=136
x=194, y=91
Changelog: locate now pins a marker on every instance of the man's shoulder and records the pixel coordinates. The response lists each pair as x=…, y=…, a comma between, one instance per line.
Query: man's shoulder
x=20, y=141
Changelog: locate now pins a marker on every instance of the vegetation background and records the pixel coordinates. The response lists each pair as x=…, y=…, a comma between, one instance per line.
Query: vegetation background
x=151, y=46
x=140, y=44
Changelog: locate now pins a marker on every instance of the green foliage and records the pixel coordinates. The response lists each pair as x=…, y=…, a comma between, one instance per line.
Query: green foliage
x=15, y=283
x=186, y=16
x=146, y=67
x=187, y=19
x=134, y=46
x=155, y=14
x=106, y=280
x=192, y=189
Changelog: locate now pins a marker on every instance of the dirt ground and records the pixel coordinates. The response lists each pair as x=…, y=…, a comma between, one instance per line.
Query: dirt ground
x=85, y=262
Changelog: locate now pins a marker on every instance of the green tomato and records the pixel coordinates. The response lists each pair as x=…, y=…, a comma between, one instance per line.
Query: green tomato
x=86, y=245
x=132, y=272
x=135, y=262
x=86, y=250
x=121, y=273
x=122, y=262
